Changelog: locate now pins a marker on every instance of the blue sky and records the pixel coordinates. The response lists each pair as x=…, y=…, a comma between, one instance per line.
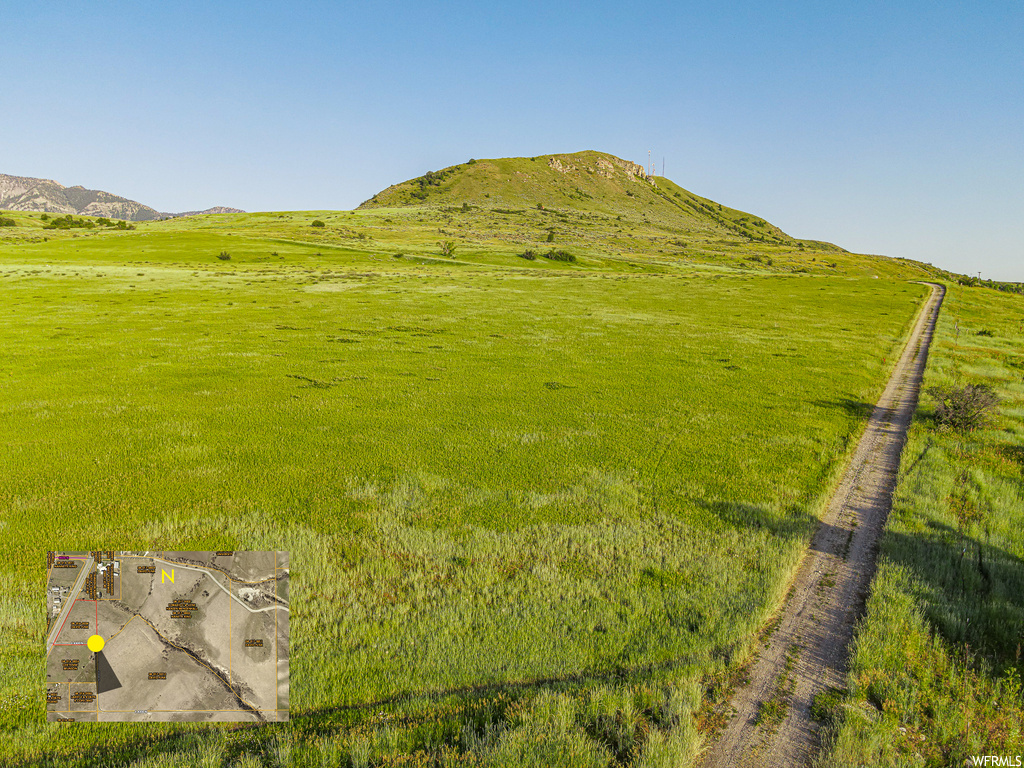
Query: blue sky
x=893, y=128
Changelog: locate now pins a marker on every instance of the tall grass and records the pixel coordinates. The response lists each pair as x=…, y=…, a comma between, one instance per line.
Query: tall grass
x=936, y=674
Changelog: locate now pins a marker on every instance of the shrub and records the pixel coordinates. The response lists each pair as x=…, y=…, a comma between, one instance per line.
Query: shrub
x=7, y=222
x=985, y=332
x=447, y=248
x=224, y=256
x=827, y=705
x=559, y=256
x=317, y=223
x=964, y=408
x=45, y=217
x=528, y=255
x=772, y=712
x=551, y=237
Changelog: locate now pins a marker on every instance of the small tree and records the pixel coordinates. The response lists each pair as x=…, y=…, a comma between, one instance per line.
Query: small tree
x=964, y=408
x=317, y=223
x=447, y=248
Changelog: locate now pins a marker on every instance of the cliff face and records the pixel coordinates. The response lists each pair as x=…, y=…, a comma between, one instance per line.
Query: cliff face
x=24, y=193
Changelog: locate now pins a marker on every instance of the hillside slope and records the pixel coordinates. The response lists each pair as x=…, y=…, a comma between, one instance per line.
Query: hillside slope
x=583, y=181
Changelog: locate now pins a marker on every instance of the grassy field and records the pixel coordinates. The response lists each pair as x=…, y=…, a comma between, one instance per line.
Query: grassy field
x=936, y=678
x=533, y=507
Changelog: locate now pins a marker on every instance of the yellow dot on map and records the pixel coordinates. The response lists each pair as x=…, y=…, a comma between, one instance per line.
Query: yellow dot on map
x=95, y=643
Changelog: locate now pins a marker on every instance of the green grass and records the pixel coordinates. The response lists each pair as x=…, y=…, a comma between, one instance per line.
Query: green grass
x=936, y=674
x=532, y=508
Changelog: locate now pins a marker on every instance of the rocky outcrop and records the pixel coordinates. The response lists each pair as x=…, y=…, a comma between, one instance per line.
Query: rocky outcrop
x=634, y=170
x=604, y=167
x=558, y=165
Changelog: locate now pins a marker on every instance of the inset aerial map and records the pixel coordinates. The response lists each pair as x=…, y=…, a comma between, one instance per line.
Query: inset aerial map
x=154, y=636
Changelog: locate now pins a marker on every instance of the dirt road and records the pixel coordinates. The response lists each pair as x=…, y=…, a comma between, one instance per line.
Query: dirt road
x=807, y=652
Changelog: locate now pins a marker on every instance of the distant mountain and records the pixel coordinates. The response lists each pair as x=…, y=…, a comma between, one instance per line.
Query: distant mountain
x=215, y=209
x=24, y=193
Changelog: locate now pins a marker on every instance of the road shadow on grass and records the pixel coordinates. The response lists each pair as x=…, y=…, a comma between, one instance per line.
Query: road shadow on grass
x=352, y=714
x=793, y=523
x=971, y=592
x=856, y=409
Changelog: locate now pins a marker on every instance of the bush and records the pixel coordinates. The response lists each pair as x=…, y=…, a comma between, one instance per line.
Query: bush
x=559, y=256
x=551, y=237
x=964, y=408
x=985, y=332
x=8, y=222
x=447, y=248
x=827, y=705
x=224, y=256
x=70, y=222
x=528, y=255
x=317, y=223
x=45, y=217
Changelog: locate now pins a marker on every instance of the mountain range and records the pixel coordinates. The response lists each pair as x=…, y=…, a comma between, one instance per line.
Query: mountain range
x=24, y=193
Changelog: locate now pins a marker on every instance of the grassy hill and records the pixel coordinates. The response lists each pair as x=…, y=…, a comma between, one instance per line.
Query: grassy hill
x=594, y=182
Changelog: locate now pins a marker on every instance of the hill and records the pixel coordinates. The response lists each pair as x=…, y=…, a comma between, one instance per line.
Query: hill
x=24, y=193
x=583, y=211
x=590, y=181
